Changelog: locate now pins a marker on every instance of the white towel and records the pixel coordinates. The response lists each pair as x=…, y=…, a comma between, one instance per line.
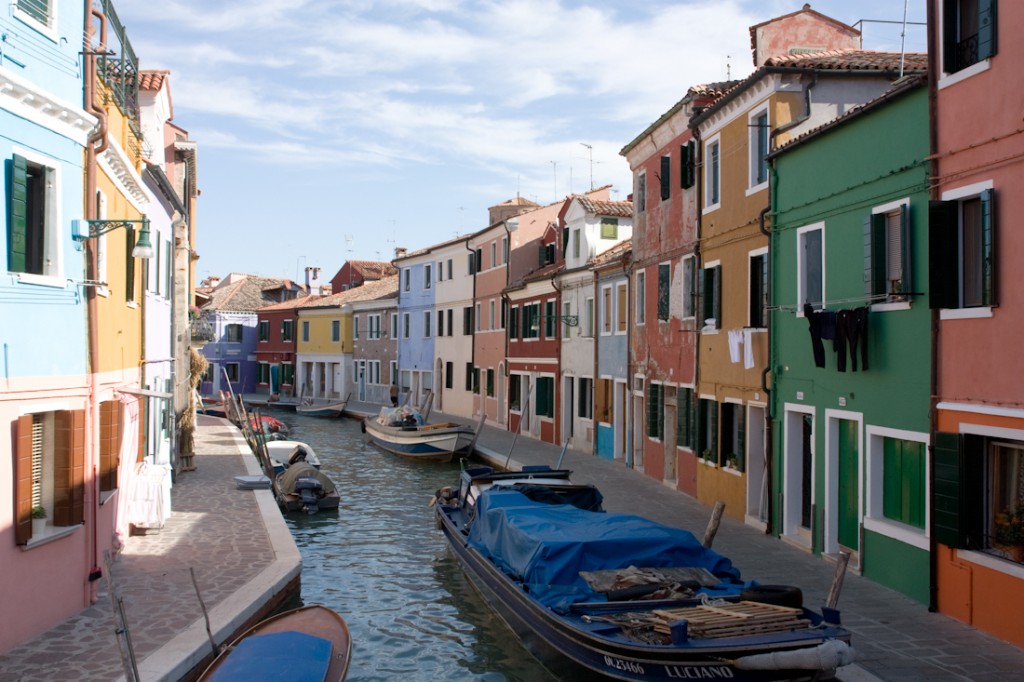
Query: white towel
x=748, y=348
x=735, y=340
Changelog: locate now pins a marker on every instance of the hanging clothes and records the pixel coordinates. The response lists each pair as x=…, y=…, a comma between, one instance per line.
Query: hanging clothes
x=852, y=335
x=735, y=341
x=814, y=326
x=748, y=348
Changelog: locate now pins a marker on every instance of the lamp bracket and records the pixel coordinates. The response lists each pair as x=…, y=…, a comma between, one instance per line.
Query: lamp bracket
x=97, y=228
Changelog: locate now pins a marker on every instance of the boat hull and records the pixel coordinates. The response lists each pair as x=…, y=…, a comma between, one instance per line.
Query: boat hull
x=430, y=444
x=332, y=410
x=571, y=653
x=313, y=621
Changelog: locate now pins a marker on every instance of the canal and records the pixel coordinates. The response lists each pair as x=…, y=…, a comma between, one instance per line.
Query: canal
x=382, y=564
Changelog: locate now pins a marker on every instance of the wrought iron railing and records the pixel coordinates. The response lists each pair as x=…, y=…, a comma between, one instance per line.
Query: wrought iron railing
x=119, y=67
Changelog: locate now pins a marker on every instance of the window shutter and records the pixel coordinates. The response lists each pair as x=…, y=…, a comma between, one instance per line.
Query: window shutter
x=943, y=255
x=666, y=175
x=110, y=443
x=874, y=255
x=988, y=247
x=17, y=239
x=948, y=492
x=701, y=297
x=713, y=428
x=716, y=303
x=69, y=468
x=906, y=251
x=987, y=34
x=740, y=417
x=23, y=480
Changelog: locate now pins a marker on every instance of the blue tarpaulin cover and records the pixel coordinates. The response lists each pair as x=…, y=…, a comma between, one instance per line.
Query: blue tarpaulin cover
x=292, y=656
x=546, y=546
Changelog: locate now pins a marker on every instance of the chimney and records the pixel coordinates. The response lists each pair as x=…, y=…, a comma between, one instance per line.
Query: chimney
x=509, y=209
x=400, y=251
x=214, y=280
x=312, y=279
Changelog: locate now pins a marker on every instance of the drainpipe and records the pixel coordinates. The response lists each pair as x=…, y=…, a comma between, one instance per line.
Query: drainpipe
x=558, y=355
x=96, y=144
x=698, y=258
x=472, y=328
x=807, y=106
x=933, y=139
x=769, y=444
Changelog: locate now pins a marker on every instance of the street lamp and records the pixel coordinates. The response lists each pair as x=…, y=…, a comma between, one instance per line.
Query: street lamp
x=90, y=229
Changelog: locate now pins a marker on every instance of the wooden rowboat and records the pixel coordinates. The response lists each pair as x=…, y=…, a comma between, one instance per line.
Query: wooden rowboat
x=308, y=643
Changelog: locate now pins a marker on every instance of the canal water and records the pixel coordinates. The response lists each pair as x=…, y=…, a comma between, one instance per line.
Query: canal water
x=382, y=564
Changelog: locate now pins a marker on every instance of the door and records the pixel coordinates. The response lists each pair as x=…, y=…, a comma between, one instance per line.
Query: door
x=806, y=471
x=361, y=368
x=849, y=485
x=275, y=378
x=568, y=423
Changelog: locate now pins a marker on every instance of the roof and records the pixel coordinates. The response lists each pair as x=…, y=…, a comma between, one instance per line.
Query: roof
x=373, y=269
x=853, y=62
x=621, y=209
x=620, y=250
x=806, y=10
x=696, y=92
x=290, y=304
x=370, y=291
x=432, y=247
x=517, y=201
x=152, y=80
x=899, y=88
x=248, y=294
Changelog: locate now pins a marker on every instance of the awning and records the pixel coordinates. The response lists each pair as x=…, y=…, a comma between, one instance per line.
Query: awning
x=146, y=393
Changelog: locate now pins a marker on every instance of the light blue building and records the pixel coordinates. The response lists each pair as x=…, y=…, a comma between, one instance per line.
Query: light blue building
x=612, y=294
x=417, y=326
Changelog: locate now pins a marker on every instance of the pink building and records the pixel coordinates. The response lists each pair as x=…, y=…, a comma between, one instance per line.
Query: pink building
x=976, y=249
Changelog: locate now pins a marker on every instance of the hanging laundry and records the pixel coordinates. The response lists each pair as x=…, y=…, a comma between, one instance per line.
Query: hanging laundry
x=748, y=348
x=735, y=341
x=819, y=322
x=852, y=335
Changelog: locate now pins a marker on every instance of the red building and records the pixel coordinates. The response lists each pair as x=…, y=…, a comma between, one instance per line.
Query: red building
x=275, y=346
x=355, y=273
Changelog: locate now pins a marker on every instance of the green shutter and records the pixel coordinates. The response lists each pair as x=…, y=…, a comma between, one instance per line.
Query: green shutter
x=943, y=254
x=740, y=416
x=987, y=33
x=988, y=247
x=713, y=428
x=874, y=255
x=17, y=235
x=716, y=295
x=666, y=177
x=906, y=252
x=948, y=494
x=129, y=265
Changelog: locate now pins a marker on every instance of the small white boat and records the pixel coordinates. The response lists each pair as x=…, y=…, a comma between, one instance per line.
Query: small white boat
x=284, y=453
x=401, y=431
x=321, y=409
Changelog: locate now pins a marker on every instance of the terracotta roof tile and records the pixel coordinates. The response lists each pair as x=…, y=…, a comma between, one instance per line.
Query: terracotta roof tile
x=852, y=60
x=248, y=294
x=152, y=80
x=620, y=250
x=373, y=269
x=619, y=209
x=371, y=291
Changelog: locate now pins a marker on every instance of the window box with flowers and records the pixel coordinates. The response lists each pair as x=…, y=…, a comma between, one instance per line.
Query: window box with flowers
x=1010, y=533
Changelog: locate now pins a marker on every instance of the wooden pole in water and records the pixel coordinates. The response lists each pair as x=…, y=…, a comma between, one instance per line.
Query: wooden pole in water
x=837, y=579
x=202, y=605
x=712, y=529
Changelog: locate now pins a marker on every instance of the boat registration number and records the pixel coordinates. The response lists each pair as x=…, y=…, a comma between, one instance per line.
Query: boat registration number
x=621, y=664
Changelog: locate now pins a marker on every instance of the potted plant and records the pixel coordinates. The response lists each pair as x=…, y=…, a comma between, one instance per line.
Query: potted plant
x=38, y=520
x=733, y=462
x=706, y=456
x=1010, y=532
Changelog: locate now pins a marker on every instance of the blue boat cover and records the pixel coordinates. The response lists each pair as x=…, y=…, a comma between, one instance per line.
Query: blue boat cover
x=292, y=656
x=546, y=546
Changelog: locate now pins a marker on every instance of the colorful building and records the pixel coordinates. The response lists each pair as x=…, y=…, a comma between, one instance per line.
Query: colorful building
x=416, y=278
x=612, y=292
x=276, y=343
x=453, y=344
x=374, y=346
x=977, y=176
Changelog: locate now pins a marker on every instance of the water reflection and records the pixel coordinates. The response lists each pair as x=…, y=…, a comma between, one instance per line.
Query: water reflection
x=380, y=562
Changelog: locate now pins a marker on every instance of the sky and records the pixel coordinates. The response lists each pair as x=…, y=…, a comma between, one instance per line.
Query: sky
x=334, y=130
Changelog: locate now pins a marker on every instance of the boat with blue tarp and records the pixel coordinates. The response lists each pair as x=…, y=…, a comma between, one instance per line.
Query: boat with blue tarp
x=591, y=592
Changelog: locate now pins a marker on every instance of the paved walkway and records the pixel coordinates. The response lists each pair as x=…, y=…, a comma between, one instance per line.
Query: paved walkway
x=237, y=543
x=895, y=638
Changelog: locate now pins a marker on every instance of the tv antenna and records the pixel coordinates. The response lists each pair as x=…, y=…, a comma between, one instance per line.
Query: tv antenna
x=590, y=149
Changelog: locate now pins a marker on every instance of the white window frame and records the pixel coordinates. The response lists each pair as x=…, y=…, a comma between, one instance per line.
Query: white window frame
x=47, y=28
x=621, y=311
x=751, y=255
x=753, y=156
x=712, y=170
x=53, y=238
x=607, y=314
x=874, y=516
x=405, y=326
x=428, y=275
x=394, y=325
x=688, y=301
x=801, y=266
x=427, y=324
x=641, y=297
x=588, y=316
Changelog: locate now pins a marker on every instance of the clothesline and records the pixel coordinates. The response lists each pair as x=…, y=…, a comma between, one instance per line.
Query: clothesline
x=875, y=298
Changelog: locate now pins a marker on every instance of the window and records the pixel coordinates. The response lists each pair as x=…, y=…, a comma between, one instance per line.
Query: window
x=263, y=373
x=440, y=271
x=757, y=313
x=467, y=321
x=503, y=312
x=758, y=145
x=405, y=325
x=129, y=265
x=49, y=465
x=810, y=266
x=264, y=330
x=733, y=436
x=712, y=174
x=546, y=254
x=545, y=397
x=490, y=383
x=449, y=374
x=449, y=268
x=566, y=315
x=305, y=330
x=687, y=164
x=685, y=426
x=641, y=300
x=641, y=193
x=588, y=317
x=603, y=401
x=426, y=324
x=689, y=297
x=478, y=317
x=406, y=279
x=586, y=399
x=513, y=323
x=609, y=228
x=655, y=411
x=576, y=243
x=664, y=287
x=903, y=485
x=479, y=259
x=287, y=373
x=233, y=333
x=451, y=327
x=515, y=392
x=33, y=244
x=493, y=317
x=494, y=254
x=373, y=372
x=373, y=322
x=962, y=251
x=621, y=308
x=287, y=330
x=37, y=10
x=969, y=33
x=394, y=325
x=504, y=249
x=392, y=371
x=606, y=310
x=428, y=276
x=707, y=429
x=440, y=323
x=531, y=321
x=887, y=253
x=471, y=260
x=336, y=329
x=232, y=371
x=550, y=320
x=711, y=296
x=476, y=380
x=666, y=177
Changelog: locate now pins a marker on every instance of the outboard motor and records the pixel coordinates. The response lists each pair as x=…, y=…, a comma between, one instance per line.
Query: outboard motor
x=309, y=490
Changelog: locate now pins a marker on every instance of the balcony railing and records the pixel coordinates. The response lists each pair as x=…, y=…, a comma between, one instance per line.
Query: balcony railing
x=119, y=69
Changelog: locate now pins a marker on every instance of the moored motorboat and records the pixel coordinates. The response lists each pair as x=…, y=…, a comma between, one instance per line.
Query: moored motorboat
x=301, y=487
x=592, y=593
x=311, y=642
x=284, y=453
x=403, y=431
x=328, y=409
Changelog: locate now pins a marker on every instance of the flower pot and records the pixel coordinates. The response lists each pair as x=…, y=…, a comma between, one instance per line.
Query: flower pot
x=1016, y=553
x=38, y=527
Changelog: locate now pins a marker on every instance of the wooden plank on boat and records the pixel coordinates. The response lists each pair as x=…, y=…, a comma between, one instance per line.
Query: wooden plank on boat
x=731, y=620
